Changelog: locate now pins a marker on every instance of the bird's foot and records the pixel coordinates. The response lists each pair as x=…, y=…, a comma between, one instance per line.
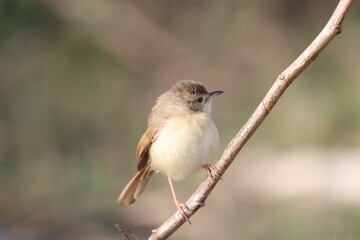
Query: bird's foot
x=181, y=207
x=212, y=171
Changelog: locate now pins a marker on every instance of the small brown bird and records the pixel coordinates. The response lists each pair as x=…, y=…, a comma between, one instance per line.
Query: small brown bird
x=181, y=137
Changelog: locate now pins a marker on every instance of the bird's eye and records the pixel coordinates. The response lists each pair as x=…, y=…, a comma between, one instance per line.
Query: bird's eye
x=200, y=99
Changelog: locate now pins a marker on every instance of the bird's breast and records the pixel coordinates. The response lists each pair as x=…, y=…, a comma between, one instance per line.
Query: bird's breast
x=184, y=144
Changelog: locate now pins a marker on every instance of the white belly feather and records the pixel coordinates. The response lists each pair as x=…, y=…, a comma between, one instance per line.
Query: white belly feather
x=184, y=144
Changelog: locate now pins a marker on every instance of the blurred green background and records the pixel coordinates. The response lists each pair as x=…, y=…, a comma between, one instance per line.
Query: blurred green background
x=78, y=79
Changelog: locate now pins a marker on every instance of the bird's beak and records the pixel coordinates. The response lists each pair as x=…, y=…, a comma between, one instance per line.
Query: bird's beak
x=215, y=93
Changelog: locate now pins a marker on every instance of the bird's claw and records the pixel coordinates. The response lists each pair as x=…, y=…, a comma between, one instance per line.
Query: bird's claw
x=181, y=207
x=212, y=171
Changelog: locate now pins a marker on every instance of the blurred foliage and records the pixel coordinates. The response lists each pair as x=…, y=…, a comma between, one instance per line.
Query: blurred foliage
x=77, y=80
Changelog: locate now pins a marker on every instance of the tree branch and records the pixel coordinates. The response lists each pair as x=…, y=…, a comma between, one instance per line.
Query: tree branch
x=332, y=28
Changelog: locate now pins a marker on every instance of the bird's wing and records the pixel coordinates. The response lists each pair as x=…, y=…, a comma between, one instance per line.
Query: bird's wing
x=143, y=148
x=157, y=118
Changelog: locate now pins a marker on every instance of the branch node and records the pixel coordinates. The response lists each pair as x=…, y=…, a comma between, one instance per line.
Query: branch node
x=201, y=204
x=266, y=109
x=338, y=29
x=282, y=76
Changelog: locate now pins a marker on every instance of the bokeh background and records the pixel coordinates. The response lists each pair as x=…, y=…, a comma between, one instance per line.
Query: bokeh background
x=78, y=79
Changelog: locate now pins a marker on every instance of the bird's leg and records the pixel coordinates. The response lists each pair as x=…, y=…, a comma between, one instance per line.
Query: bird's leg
x=212, y=171
x=180, y=206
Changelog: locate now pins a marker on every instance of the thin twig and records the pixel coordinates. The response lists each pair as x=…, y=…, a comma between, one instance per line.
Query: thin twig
x=332, y=28
x=127, y=235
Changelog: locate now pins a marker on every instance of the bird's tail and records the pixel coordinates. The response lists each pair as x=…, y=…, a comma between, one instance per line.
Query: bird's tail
x=136, y=186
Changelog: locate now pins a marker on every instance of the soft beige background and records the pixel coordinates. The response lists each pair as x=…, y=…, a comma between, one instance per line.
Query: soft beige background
x=78, y=79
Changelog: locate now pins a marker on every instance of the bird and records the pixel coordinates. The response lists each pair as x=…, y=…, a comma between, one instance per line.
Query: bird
x=180, y=139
